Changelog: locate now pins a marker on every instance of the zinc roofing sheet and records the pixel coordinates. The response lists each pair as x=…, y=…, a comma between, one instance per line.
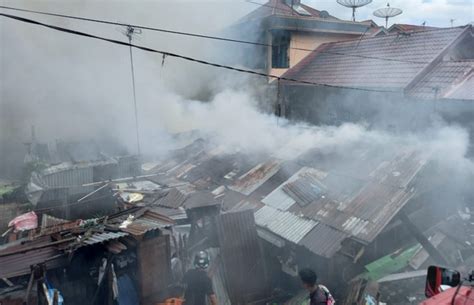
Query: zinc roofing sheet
x=383, y=194
x=98, y=238
x=19, y=264
x=280, y=199
x=173, y=199
x=147, y=221
x=389, y=61
x=284, y=224
x=254, y=178
x=323, y=240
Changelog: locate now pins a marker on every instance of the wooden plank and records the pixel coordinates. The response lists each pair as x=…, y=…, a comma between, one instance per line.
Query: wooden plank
x=422, y=255
x=421, y=238
x=154, y=268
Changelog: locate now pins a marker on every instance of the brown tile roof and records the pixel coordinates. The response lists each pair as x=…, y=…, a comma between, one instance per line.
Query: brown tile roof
x=279, y=8
x=400, y=27
x=464, y=90
x=447, y=80
x=389, y=62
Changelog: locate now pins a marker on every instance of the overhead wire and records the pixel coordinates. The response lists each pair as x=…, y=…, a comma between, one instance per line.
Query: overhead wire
x=187, y=58
x=196, y=35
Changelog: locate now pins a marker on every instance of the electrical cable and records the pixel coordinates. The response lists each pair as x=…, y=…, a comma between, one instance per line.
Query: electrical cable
x=130, y=34
x=202, y=35
x=191, y=59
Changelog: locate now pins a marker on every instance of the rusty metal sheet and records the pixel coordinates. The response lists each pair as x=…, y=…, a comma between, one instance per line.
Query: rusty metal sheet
x=154, y=269
x=254, y=178
x=98, y=238
x=379, y=198
x=20, y=263
x=173, y=199
x=323, y=240
x=243, y=262
x=147, y=221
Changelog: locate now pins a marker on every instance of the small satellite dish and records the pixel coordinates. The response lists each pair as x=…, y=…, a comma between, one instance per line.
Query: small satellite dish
x=387, y=12
x=353, y=4
x=324, y=14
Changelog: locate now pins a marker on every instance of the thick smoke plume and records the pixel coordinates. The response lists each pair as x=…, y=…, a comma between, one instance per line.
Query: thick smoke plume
x=77, y=89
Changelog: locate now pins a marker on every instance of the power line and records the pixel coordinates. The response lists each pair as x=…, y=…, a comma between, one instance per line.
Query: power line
x=130, y=32
x=205, y=36
x=200, y=61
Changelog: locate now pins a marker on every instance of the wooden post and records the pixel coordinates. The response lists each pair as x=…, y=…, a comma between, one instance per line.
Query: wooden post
x=56, y=297
x=421, y=238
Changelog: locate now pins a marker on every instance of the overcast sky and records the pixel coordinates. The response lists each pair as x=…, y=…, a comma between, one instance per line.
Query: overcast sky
x=434, y=12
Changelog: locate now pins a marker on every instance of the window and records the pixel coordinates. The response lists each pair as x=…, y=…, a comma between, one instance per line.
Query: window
x=280, y=47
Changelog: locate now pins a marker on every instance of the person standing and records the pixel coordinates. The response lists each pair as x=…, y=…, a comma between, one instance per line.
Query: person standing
x=197, y=282
x=318, y=294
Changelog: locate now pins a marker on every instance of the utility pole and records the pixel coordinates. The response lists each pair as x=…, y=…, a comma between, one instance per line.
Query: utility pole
x=130, y=31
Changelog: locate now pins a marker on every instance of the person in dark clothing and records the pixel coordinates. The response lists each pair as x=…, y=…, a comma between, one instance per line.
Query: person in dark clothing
x=197, y=282
x=318, y=294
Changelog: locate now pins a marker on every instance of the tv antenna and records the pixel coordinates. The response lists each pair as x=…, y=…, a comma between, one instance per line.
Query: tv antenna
x=130, y=32
x=353, y=4
x=387, y=12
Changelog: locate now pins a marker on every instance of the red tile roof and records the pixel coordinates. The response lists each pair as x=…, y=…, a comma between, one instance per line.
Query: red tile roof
x=389, y=62
x=446, y=80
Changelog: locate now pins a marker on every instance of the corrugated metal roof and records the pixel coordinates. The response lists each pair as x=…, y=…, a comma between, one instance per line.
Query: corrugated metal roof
x=382, y=195
x=147, y=221
x=17, y=257
x=142, y=185
x=19, y=264
x=284, y=224
x=239, y=245
x=281, y=199
x=251, y=180
x=174, y=214
x=173, y=199
x=98, y=238
x=49, y=221
x=323, y=240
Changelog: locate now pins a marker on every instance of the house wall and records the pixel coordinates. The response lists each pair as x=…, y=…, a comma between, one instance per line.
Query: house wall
x=392, y=111
x=304, y=40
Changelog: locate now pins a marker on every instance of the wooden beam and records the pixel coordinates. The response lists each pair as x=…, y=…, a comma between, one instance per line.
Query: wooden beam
x=421, y=238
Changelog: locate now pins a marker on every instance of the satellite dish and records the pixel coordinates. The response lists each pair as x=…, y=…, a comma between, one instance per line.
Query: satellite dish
x=353, y=4
x=387, y=12
x=324, y=14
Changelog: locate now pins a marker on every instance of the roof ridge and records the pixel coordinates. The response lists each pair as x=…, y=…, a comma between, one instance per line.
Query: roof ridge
x=435, y=60
x=414, y=33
